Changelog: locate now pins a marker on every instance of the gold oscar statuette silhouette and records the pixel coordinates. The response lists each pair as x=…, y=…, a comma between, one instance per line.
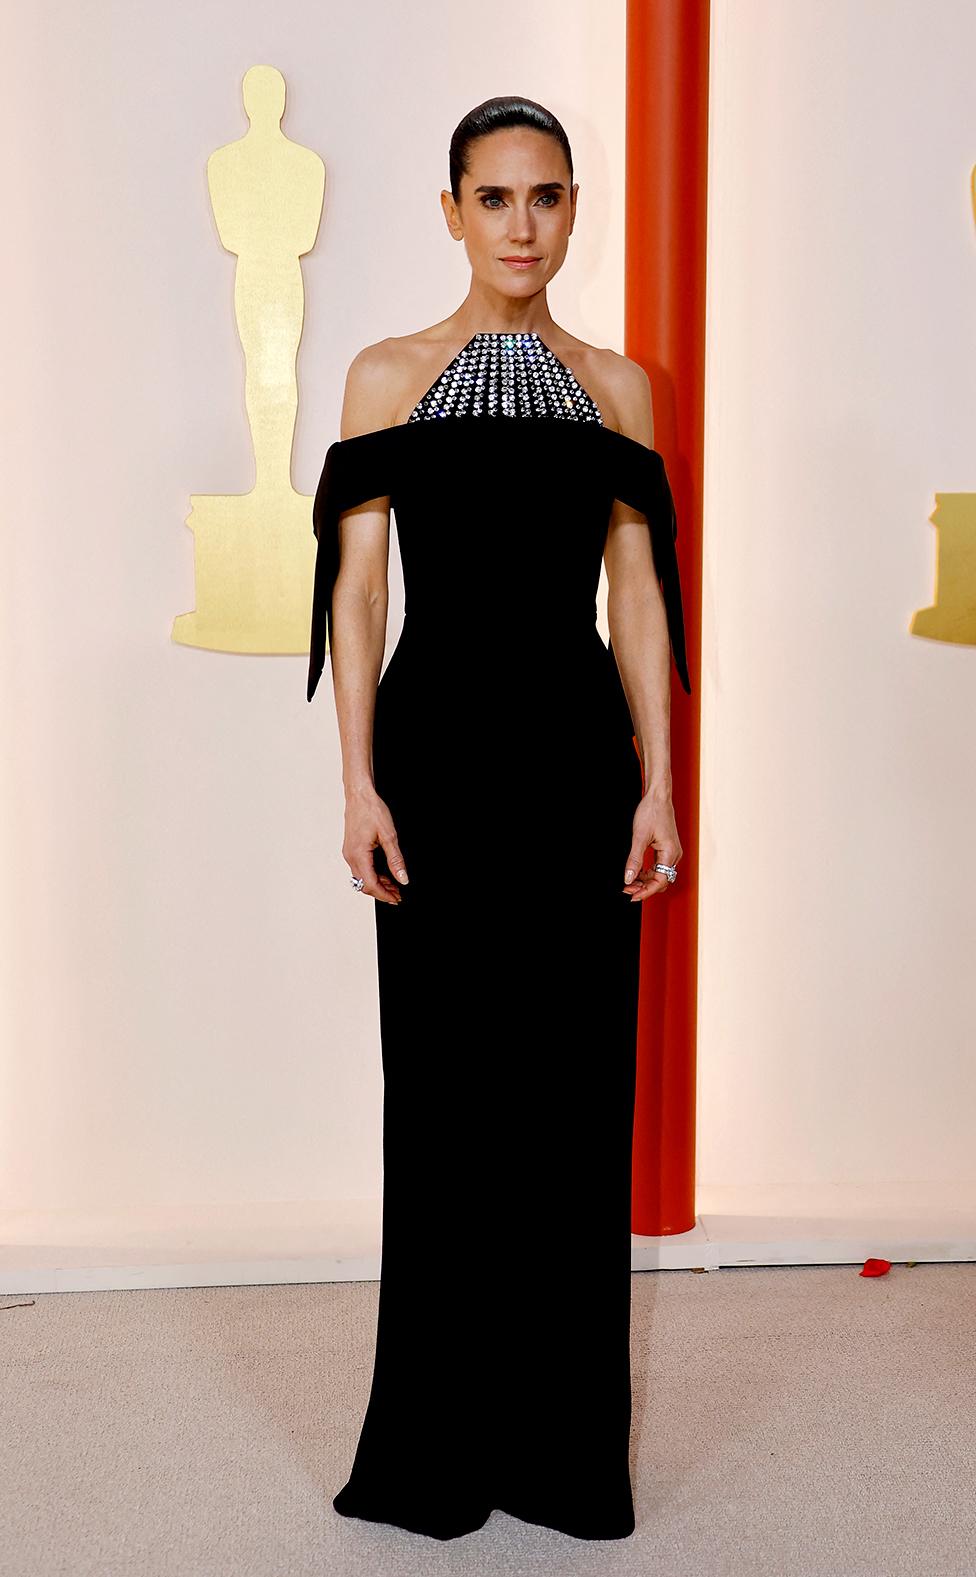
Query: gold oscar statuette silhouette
x=254, y=553
x=953, y=614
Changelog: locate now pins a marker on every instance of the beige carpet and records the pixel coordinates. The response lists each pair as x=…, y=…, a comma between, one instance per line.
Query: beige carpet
x=788, y=1422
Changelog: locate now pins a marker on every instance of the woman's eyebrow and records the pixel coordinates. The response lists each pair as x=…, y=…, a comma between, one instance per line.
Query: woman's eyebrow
x=540, y=186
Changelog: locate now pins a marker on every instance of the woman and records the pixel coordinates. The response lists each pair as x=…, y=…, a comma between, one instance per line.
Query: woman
x=494, y=794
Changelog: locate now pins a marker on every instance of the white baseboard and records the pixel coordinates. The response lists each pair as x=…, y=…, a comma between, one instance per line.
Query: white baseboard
x=339, y=1240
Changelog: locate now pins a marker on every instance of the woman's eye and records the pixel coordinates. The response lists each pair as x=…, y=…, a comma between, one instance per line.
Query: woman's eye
x=549, y=198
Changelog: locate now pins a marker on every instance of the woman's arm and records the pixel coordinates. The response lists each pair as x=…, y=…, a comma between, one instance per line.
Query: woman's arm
x=360, y=602
x=639, y=632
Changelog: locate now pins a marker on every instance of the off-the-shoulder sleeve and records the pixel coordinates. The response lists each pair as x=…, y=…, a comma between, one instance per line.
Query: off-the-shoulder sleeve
x=639, y=478
x=355, y=469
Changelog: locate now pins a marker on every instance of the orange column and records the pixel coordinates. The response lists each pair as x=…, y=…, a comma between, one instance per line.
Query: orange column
x=666, y=178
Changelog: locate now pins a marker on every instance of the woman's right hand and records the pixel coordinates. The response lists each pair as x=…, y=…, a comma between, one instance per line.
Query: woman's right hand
x=368, y=824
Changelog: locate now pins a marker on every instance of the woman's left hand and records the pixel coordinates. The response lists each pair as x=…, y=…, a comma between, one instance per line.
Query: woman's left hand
x=654, y=829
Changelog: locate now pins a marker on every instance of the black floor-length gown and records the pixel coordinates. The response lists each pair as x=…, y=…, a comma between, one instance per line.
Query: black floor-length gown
x=508, y=974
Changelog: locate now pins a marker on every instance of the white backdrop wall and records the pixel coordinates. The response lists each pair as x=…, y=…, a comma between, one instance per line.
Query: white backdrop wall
x=838, y=852
x=189, y=1009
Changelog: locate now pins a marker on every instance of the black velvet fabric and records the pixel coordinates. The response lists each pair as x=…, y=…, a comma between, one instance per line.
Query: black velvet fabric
x=508, y=974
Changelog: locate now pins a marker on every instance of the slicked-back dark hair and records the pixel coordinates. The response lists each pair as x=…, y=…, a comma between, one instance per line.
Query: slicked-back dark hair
x=497, y=115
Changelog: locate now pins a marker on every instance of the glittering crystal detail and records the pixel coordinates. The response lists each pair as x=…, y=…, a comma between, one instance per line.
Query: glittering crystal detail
x=506, y=375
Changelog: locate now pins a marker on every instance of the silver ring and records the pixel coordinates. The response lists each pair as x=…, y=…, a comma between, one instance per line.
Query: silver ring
x=357, y=882
x=670, y=871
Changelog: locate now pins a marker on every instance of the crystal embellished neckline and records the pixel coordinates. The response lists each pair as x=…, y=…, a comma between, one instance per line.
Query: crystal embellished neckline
x=506, y=374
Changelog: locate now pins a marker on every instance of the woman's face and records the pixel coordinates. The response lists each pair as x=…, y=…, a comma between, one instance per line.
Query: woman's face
x=515, y=202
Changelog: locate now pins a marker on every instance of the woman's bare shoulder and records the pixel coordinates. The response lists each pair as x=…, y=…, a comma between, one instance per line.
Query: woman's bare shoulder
x=633, y=407
x=620, y=387
x=386, y=379
x=366, y=398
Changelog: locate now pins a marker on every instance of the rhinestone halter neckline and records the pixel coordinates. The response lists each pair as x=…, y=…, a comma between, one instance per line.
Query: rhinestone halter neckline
x=499, y=374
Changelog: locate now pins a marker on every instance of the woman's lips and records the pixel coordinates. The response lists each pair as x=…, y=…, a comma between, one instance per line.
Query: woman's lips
x=520, y=262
